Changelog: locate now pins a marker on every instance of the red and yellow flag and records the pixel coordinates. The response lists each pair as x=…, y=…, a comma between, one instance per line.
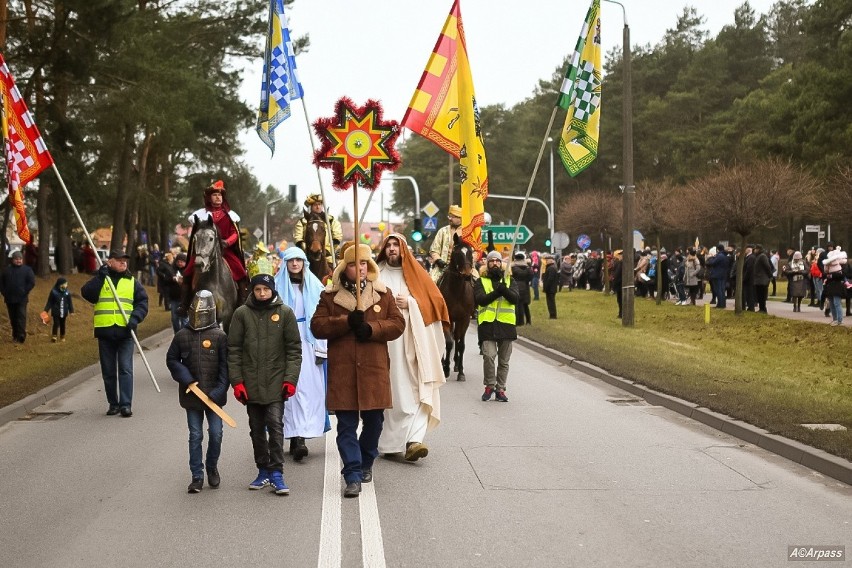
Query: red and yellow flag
x=444, y=111
x=26, y=153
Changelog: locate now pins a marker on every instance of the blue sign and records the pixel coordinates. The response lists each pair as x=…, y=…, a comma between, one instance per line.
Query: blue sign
x=430, y=224
x=583, y=241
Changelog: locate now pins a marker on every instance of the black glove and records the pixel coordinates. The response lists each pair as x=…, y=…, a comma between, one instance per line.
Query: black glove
x=501, y=287
x=355, y=319
x=363, y=332
x=132, y=324
x=103, y=270
x=440, y=264
x=224, y=244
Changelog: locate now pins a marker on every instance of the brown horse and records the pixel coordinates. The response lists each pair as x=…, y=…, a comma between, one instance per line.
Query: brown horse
x=315, y=247
x=456, y=286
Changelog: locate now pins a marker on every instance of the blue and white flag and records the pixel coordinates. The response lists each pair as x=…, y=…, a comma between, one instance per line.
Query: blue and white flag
x=280, y=83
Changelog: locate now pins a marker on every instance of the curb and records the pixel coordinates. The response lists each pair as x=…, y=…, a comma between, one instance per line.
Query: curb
x=26, y=405
x=813, y=458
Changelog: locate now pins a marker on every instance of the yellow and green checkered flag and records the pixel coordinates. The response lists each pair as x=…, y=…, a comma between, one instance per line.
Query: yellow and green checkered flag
x=581, y=95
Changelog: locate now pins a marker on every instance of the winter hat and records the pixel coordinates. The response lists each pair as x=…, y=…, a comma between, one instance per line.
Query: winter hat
x=264, y=279
x=520, y=256
x=16, y=255
x=492, y=255
x=797, y=255
x=60, y=281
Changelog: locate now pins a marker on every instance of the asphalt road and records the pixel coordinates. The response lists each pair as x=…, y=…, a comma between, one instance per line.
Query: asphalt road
x=570, y=472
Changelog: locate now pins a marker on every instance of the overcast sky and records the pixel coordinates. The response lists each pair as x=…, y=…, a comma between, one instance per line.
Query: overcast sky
x=379, y=48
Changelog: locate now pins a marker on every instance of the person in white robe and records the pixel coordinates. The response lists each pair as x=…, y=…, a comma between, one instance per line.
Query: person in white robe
x=305, y=414
x=415, y=358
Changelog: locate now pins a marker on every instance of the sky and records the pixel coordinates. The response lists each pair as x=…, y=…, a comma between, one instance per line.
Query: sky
x=379, y=48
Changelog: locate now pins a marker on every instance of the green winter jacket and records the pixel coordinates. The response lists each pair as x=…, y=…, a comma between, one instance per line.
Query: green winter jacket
x=264, y=349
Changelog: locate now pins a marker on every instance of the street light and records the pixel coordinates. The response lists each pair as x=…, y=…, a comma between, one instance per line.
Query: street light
x=552, y=211
x=265, y=215
x=417, y=225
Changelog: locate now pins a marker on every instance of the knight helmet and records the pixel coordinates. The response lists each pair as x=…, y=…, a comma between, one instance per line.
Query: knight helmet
x=202, y=311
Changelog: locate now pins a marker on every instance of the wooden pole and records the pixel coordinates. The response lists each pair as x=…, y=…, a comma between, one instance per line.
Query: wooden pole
x=357, y=246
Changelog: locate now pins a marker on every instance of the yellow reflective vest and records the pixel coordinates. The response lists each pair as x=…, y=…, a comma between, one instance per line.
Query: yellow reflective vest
x=501, y=309
x=107, y=313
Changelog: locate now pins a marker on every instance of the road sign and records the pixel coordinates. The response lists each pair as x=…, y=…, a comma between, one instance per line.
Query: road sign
x=561, y=240
x=430, y=223
x=258, y=232
x=583, y=241
x=431, y=209
x=503, y=234
x=812, y=228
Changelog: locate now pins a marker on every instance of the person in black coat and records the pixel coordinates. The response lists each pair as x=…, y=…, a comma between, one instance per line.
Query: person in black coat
x=617, y=272
x=16, y=282
x=522, y=275
x=550, y=283
x=761, y=276
x=59, y=305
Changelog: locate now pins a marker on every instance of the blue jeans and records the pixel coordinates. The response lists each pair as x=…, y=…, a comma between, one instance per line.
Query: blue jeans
x=719, y=290
x=195, y=421
x=357, y=453
x=178, y=323
x=117, y=370
x=835, y=304
x=534, y=285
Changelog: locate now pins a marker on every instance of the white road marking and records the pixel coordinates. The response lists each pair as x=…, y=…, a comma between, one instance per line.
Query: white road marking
x=372, y=546
x=330, y=531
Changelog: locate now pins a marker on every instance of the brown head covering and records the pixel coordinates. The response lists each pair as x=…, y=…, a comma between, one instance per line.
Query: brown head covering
x=420, y=284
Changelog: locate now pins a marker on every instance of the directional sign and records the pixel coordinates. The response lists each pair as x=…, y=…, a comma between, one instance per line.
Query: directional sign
x=812, y=228
x=431, y=209
x=583, y=241
x=503, y=234
x=430, y=224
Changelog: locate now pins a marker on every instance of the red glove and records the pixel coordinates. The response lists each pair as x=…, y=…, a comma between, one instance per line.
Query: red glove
x=288, y=389
x=240, y=393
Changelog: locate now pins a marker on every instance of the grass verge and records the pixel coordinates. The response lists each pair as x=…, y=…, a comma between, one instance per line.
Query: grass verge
x=772, y=372
x=28, y=368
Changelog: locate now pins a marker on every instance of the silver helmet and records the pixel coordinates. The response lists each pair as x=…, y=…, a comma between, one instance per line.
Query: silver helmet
x=202, y=311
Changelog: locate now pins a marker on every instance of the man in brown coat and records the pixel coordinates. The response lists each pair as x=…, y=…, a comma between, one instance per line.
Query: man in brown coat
x=358, y=378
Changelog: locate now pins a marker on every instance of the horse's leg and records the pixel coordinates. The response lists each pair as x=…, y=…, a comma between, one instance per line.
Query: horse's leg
x=445, y=361
x=460, y=358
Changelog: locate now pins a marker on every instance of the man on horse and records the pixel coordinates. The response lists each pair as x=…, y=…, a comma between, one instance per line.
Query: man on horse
x=442, y=246
x=315, y=207
x=226, y=221
x=415, y=358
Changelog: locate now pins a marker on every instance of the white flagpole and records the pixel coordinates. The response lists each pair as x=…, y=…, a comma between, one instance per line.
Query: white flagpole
x=111, y=286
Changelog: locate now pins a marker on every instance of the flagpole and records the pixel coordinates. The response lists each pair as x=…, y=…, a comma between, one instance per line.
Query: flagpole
x=107, y=279
x=319, y=180
x=532, y=178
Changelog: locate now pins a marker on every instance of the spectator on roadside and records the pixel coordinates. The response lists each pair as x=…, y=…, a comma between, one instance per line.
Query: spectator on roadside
x=749, y=295
x=550, y=283
x=496, y=294
x=126, y=297
x=59, y=306
x=761, y=276
x=535, y=265
x=816, y=274
x=796, y=272
x=774, y=260
x=16, y=282
x=691, y=271
x=172, y=276
x=640, y=271
x=719, y=265
x=522, y=275
x=790, y=253
x=566, y=273
x=617, y=273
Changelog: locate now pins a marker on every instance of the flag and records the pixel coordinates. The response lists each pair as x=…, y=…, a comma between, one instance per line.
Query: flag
x=26, y=152
x=581, y=95
x=444, y=111
x=280, y=82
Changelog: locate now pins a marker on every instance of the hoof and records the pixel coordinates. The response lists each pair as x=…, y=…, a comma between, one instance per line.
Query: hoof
x=460, y=377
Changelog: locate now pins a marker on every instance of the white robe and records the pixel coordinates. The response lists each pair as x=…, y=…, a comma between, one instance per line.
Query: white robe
x=415, y=373
x=305, y=413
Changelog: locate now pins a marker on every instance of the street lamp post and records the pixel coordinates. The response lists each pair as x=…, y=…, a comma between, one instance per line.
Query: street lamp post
x=552, y=210
x=265, y=215
x=416, y=193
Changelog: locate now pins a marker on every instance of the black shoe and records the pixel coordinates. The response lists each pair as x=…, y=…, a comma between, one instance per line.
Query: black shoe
x=827, y=314
x=352, y=489
x=196, y=485
x=367, y=476
x=213, y=478
x=301, y=450
x=126, y=412
x=292, y=446
x=113, y=410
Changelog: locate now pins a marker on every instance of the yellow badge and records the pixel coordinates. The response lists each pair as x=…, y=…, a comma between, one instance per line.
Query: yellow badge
x=206, y=343
x=377, y=308
x=275, y=317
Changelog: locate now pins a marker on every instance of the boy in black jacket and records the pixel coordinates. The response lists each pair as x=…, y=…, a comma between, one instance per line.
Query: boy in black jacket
x=199, y=354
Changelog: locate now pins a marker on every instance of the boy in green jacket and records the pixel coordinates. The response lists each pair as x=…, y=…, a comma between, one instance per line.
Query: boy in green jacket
x=264, y=358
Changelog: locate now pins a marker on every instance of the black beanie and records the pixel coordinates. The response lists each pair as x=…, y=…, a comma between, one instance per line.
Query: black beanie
x=265, y=279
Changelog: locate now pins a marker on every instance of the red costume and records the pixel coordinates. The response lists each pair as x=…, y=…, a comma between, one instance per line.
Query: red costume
x=226, y=222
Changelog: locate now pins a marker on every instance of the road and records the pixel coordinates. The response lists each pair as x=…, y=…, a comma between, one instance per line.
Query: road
x=570, y=472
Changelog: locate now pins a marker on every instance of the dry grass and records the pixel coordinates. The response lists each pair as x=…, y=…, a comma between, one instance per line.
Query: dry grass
x=27, y=368
x=772, y=372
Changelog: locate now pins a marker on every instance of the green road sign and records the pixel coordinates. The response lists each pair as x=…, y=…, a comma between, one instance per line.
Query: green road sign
x=503, y=234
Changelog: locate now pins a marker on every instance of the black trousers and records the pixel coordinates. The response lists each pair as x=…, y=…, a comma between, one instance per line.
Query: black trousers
x=267, y=419
x=18, y=319
x=760, y=293
x=551, y=304
x=59, y=325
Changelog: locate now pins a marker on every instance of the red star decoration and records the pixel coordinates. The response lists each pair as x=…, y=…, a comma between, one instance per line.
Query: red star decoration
x=357, y=144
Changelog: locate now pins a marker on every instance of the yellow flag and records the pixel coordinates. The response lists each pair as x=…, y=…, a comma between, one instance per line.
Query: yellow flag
x=444, y=111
